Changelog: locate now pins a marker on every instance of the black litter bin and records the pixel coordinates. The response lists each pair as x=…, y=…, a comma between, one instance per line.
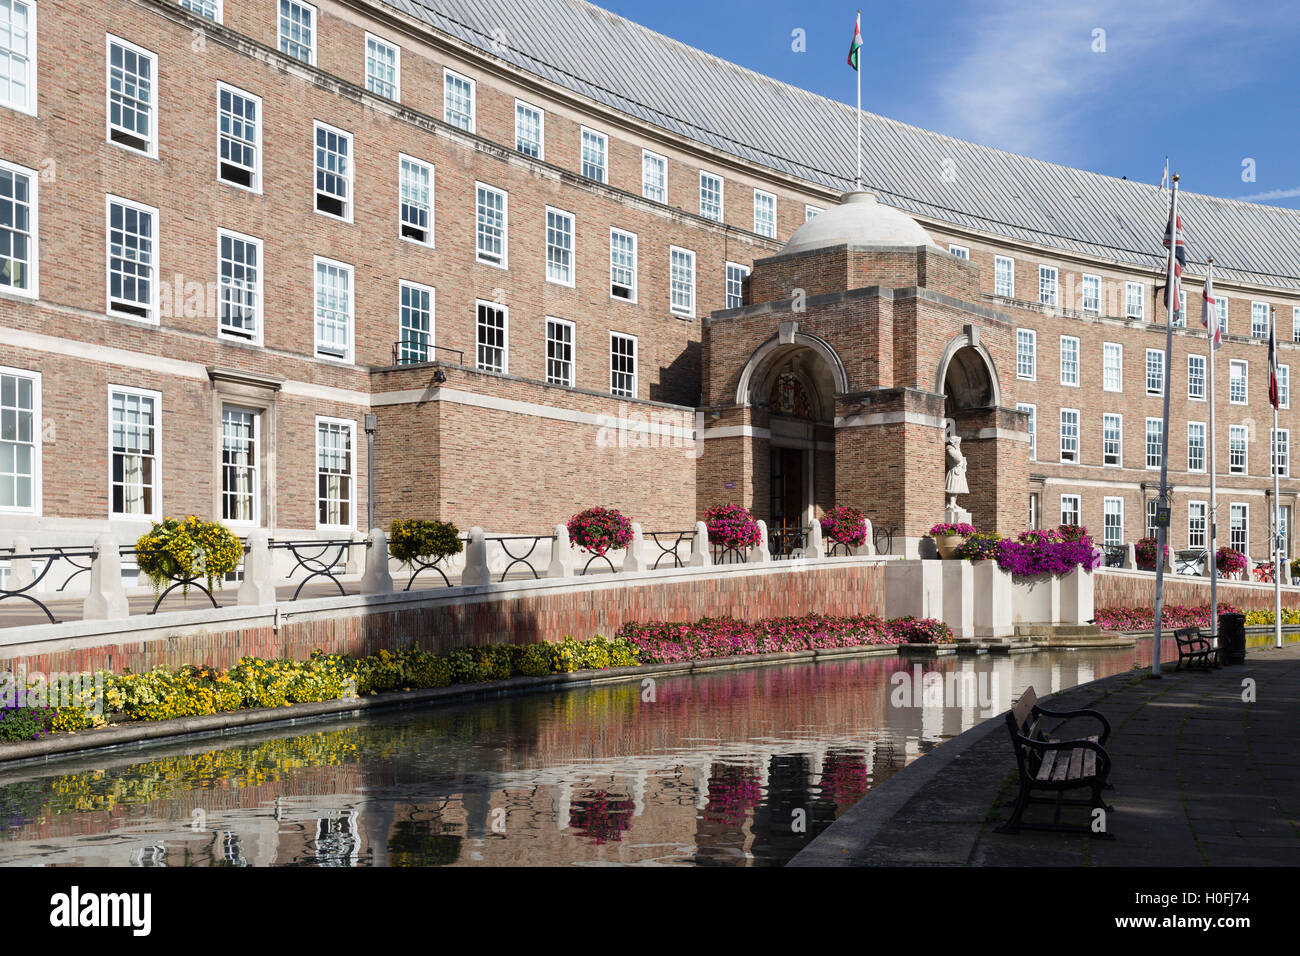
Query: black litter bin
x=1232, y=638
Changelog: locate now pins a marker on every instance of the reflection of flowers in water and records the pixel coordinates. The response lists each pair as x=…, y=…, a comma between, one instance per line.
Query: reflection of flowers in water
x=733, y=792
x=845, y=778
x=601, y=818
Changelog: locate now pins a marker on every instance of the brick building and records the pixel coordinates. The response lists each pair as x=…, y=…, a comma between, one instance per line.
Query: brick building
x=230, y=230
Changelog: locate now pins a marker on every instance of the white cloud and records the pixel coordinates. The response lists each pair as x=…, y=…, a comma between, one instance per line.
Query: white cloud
x=1026, y=74
x=1291, y=193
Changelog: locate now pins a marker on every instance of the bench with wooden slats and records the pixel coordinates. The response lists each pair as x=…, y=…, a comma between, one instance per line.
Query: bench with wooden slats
x=1195, y=648
x=1055, y=764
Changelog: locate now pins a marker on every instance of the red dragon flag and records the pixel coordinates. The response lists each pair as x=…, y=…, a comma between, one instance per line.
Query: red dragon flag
x=1272, y=365
x=1210, y=313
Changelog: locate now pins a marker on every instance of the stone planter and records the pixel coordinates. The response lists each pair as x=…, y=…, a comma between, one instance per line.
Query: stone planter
x=948, y=544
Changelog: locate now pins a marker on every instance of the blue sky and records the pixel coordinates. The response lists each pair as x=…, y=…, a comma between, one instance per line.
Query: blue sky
x=1211, y=83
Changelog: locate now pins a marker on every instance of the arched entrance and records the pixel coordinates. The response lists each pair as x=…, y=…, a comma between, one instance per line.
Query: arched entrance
x=790, y=383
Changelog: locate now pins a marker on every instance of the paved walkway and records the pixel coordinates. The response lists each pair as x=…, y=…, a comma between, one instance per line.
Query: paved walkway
x=1200, y=777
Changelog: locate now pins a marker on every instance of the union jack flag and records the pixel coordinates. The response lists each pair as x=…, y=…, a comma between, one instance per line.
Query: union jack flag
x=1179, y=255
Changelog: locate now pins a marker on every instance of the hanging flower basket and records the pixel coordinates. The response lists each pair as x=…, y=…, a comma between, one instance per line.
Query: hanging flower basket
x=600, y=529
x=845, y=525
x=731, y=526
x=1144, y=553
x=1229, y=561
x=426, y=542
x=181, y=551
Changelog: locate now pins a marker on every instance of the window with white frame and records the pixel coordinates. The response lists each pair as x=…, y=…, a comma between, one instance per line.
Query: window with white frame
x=240, y=465
x=1237, y=435
x=415, y=200
x=1091, y=294
x=1152, y=506
x=1069, y=360
x=1032, y=412
x=204, y=8
x=1070, y=435
x=1295, y=323
x=1237, y=373
x=530, y=130
x=1281, y=443
x=383, y=68
x=333, y=309
x=595, y=155
x=132, y=289
x=1070, y=509
x=559, y=246
x=1155, y=372
x=764, y=214
x=1112, y=367
x=1155, y=439
x=1004, y=276
x=490, y=229
x=1047, y=285
x=415, y=322
x=458, y=100
x=298, y=30
x=1112, y=439
x=1112, y=522
x=18, y=55
x=1196, y=377
x=335, y=473
x=1221, y=308
x=681, y=281
x=1033, y=510
x=961, y=252
x=1259, y=320
x=622, y=365
x=559, y=351
x=20, y=443
x=1135, y=299
x=1284, y=386
x=654, y=176
x=132, y=73
x=810, y=211
x=492, y=337
x=1196, y=523
x=736, y=275
x=711, y=196
x=1026, y=354
x=19, y=258
x=333, y=172
x=1239, y=527
x=1196, y=446
x=1284, y=530
x=239, y=281
x=1180, y=317
x=622, y=264
x=133, y=416
x=239, y=138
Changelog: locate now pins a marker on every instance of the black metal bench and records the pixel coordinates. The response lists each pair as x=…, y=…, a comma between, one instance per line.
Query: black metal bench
x=1056, y=765
x=1195, y=648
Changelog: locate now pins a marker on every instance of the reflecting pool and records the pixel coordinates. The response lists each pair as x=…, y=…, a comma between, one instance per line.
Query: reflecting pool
x=728, y=768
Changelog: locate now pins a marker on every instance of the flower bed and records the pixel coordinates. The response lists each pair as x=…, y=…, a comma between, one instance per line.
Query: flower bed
x=1143, y=618
x=669, y=642
x=192, y=691
x=1290, y=616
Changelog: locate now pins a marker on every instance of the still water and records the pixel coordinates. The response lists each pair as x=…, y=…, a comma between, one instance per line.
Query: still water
x=730, y=768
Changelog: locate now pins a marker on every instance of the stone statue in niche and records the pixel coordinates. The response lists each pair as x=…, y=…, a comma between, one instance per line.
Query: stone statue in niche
x=955, y=481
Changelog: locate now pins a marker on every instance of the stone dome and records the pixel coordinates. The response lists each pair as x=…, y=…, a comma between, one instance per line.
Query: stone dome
x=858, y=221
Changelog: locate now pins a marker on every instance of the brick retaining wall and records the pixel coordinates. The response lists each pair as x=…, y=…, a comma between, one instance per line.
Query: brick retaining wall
x=516, y=612
x=1138, y=589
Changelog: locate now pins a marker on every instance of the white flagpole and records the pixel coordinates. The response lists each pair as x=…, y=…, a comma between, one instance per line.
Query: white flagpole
x=1277, y=506
x=1162, y=527
x=858, y=169
x=1211, y=559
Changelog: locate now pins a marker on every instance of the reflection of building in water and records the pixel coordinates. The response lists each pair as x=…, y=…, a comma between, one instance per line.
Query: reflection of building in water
x=715, y=771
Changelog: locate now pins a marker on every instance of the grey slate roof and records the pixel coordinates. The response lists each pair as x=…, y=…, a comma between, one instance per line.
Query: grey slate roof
x=698, y=96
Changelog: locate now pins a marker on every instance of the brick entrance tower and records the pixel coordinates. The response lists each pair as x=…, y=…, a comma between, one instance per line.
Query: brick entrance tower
x=833, y=383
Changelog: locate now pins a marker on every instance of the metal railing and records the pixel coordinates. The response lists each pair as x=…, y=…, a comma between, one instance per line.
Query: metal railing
x=666, y=551
x=1113, y=555
x=310, y=556
x=783, y=543
x=526, y=558
x=24, y=592
x=883, y=538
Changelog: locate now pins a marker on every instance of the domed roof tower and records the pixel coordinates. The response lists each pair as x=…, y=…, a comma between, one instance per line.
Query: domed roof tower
x=859, y=220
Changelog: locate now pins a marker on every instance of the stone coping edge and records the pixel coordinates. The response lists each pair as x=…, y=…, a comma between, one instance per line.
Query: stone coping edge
x=14, y=754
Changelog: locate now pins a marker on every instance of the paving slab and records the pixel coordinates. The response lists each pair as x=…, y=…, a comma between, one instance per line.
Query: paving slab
x=1201, y=777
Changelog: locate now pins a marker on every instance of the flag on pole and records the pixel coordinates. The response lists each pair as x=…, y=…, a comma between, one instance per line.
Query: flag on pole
x=1174, y=237
x=857, y=42
x=1210, y=313
x=1272, y=366
x=1164, y=180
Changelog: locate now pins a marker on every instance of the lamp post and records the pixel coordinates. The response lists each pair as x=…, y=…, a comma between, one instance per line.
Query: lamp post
x=372, y=423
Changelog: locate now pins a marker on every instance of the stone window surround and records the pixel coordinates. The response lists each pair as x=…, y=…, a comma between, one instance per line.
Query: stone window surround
x=257, y=393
